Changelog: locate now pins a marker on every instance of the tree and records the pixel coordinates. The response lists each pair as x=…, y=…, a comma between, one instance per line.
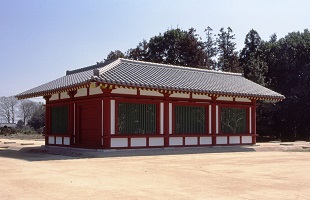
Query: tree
x=175, y=46
x=37, y=119
x=8, y=108
x=210, y=49
x=114, y=55
x=5, y=109
x=254, y=67
x=140, y=52
x=12, y=104
x=289, y=73
x=227, y=56
x=26, y=109
x=20, y=124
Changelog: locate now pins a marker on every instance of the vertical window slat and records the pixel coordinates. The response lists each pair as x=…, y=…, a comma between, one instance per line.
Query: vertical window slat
x=136, y=118
x=233, y=120
x=190, y=120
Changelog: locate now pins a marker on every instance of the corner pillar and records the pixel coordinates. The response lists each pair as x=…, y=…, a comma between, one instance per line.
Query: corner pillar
x=166, y=119
x=213, y=120
x=253, y=117
x=106, y=118
x=47, y=118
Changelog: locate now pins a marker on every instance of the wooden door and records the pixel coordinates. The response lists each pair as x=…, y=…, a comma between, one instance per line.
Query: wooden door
x=89, y=125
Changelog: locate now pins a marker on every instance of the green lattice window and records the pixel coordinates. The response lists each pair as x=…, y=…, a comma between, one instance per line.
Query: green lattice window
x=136, y=118
x=59, y=120
x=233, y=120
x=190, y=119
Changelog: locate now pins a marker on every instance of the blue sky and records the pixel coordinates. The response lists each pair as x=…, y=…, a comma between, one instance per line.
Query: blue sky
x=40, y=39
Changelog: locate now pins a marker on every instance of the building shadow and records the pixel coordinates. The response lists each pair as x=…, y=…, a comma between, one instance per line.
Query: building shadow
x=45, y=153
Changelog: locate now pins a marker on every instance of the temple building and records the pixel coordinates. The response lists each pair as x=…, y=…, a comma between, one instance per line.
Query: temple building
x=134, y=104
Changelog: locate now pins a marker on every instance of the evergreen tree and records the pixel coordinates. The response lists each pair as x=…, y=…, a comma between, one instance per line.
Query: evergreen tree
x=175, y=46
x=210, y=49
x=254, y=67
x=228, y=57
x=114, y=55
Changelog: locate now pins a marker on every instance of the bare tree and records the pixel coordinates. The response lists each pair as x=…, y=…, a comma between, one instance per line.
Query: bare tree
x=5, y=111
x=13, y=104
x=26, y=108
x=8, y=108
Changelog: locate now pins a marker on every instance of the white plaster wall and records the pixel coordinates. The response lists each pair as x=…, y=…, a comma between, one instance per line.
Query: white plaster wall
x=180, y=95
x=234, y=140
x=66, y=141
x=96, y=90
x=161, y=118
x=242, y=99
x=112, y=117
x=210, y=119
x=191, y=140
x=250, y=119
x=124, y=91
x=138, y=142
x=150, y=93
x=200, y=96
x=81, y=92
x=217, y=118
x=64, y=95
x=58, y=140
x=205, y=140
x=221, y=98
x=51, y=140
x=54, y=97
x=170, y=118
x=156, y=142
x=246, y=139
x=119, y=142
x=221, y=140
x=176, y=141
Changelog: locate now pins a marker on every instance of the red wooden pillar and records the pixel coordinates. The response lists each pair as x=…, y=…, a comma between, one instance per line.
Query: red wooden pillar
x=213, y=120
x=71, y=117
x=106, y=118
x=166, y=119
x=47, y=118
x=253, y=117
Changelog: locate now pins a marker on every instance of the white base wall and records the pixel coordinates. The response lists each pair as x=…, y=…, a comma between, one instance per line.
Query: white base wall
x=221, y=140
x=156, y=142
x=191, y=140
x=246, y=139
x=234, y=139
x=51, y=140
x=175, y=141
x=138, y=142
x=58, y=140
x=119, y=142
x=205, y=140
x=66, y=141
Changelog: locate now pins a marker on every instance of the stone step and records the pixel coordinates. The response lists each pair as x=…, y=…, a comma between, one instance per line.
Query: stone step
x=9, y=142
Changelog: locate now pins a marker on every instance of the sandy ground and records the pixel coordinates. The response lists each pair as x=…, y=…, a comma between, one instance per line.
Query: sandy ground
x=264, y=171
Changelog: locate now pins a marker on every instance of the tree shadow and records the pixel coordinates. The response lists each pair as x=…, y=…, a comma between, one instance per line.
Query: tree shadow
x=45, y=153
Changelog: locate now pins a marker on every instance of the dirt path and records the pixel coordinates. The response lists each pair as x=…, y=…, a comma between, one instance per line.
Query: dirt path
x=188, y=173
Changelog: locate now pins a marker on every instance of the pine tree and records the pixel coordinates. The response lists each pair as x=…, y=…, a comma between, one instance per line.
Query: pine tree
x=228, y=57
x=210, y=49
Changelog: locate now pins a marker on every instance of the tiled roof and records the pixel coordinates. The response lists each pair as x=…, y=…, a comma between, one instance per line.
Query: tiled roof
x=156, y=76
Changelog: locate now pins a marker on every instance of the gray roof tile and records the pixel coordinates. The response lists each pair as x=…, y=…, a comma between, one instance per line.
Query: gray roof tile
x=160, y=76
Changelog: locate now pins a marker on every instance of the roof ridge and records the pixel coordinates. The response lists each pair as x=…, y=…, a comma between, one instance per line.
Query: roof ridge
x=83, y=69
x=108, y=66
x=179, y=67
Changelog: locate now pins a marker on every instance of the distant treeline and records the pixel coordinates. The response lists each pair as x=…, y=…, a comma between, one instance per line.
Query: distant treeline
x=281, y=64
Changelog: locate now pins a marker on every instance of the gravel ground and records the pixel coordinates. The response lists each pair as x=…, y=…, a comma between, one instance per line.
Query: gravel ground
x=263, y=171
x=22, y=136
